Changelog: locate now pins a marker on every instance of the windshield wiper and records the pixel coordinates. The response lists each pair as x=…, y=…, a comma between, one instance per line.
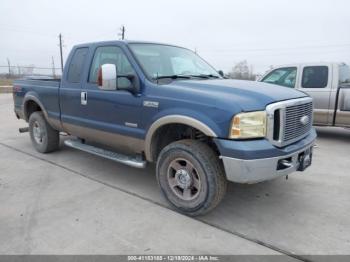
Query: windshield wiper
x=172, y=77
x=205, y=76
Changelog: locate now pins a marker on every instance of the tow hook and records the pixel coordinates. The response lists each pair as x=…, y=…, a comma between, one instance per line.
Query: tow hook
x=23, y=129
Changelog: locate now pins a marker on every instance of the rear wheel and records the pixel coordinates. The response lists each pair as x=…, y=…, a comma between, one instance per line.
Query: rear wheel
x=44, y=138
x=191, y=177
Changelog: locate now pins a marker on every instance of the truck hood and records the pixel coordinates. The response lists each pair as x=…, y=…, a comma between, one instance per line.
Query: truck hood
x=248, y=95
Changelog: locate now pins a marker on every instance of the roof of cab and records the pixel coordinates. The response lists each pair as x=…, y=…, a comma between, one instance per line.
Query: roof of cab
x=123, y=42
x=308, y=64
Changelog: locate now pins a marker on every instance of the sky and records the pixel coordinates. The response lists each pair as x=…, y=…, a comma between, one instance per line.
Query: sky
x=223, y=32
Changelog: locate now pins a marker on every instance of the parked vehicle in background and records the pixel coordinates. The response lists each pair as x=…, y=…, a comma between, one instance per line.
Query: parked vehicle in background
x=327, y=83
x=136, y=102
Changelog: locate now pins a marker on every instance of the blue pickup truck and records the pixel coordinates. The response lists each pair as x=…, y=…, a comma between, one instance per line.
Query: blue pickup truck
x=139, y=102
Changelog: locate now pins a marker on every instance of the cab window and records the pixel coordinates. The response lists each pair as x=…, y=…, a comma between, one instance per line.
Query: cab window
x=282, y=76
x=315, y=77
x=76, y=65
x=111, y=55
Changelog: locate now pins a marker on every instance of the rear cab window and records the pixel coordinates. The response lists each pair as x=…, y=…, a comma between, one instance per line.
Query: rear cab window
x=315, y=77
x=282, y=76
x=77, y=65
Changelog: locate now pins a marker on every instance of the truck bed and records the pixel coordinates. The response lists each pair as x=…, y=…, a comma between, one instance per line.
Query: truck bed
x=44, y=90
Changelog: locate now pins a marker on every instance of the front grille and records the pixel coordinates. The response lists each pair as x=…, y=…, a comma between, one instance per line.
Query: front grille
x=285, y=123
x=293, y=127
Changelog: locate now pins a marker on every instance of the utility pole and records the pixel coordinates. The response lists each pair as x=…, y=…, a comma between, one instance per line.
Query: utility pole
x=9, y=65
x=53, y=68
x=122, y=33
x=61, y=52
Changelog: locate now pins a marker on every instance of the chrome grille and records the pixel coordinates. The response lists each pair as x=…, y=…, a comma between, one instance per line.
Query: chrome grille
x=284, y=120
x=293, y=127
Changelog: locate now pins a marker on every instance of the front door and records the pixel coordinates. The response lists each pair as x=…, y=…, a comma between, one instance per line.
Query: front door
x=315, y=82
x=112, y=117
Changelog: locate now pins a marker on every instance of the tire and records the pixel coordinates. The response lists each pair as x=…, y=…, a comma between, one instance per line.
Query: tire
x=44, y=138
x=191, y=177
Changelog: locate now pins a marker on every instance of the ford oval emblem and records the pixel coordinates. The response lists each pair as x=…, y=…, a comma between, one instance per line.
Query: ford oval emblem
x=304, y=120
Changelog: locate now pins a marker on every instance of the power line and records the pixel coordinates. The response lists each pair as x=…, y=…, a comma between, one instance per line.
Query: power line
x=43, y=34
x=35, y=67
x=278, y=48
x=23, y=29
x=281, y=53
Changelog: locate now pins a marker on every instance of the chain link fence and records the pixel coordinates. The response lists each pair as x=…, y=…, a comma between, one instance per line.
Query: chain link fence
x=21, y=71
x=10, y=73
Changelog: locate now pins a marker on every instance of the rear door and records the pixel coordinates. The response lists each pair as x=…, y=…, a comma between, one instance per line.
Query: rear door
x=70, y=90
x=316, y=81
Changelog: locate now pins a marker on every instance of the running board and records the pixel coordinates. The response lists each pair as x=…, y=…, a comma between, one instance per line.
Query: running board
x=134, y=161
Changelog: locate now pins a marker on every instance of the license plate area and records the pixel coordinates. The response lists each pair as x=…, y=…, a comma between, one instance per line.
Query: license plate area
x=305, y=159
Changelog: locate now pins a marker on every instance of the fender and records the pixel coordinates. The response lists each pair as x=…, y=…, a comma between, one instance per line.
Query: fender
x=30, y=96
x=174, y=119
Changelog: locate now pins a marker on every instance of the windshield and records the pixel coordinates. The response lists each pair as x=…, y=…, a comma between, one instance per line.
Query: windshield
x=344, y=74
x=282, y=76
x=162, y=60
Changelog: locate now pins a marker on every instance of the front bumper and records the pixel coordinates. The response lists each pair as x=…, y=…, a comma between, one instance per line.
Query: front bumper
x=254, y=170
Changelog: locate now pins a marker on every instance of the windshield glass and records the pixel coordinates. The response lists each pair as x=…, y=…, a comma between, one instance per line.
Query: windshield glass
x=282, y=76
x=344, y=74
x=162, y=60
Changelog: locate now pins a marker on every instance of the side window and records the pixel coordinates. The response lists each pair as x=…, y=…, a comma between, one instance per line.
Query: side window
x=282, y=76
x=111, y=55
x=344, y=74
x=76, y=65
x=315, y=77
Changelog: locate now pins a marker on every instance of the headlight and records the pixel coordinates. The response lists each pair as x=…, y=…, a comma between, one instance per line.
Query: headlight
x=248, y=125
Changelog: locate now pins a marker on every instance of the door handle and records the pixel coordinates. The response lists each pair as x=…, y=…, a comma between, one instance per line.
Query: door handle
x=83, y=98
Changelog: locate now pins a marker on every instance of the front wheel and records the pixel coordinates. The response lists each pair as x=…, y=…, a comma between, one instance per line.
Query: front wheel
x=191, y=177
x=44, y=138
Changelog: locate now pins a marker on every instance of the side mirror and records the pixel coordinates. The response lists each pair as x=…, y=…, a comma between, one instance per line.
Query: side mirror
x=221, y=73
x=107, y=77
x=129, y=82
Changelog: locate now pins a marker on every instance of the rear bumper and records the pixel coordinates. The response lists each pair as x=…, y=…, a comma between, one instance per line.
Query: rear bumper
x=254, y=170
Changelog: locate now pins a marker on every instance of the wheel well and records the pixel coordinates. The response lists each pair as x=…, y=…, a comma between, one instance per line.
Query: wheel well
x=31, y=107
x=169, y=133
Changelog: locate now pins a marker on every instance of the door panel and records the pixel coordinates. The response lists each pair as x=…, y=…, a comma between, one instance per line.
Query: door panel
x=315, y=81
x=115, y=112
x=112, y=111
x=70, y=89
